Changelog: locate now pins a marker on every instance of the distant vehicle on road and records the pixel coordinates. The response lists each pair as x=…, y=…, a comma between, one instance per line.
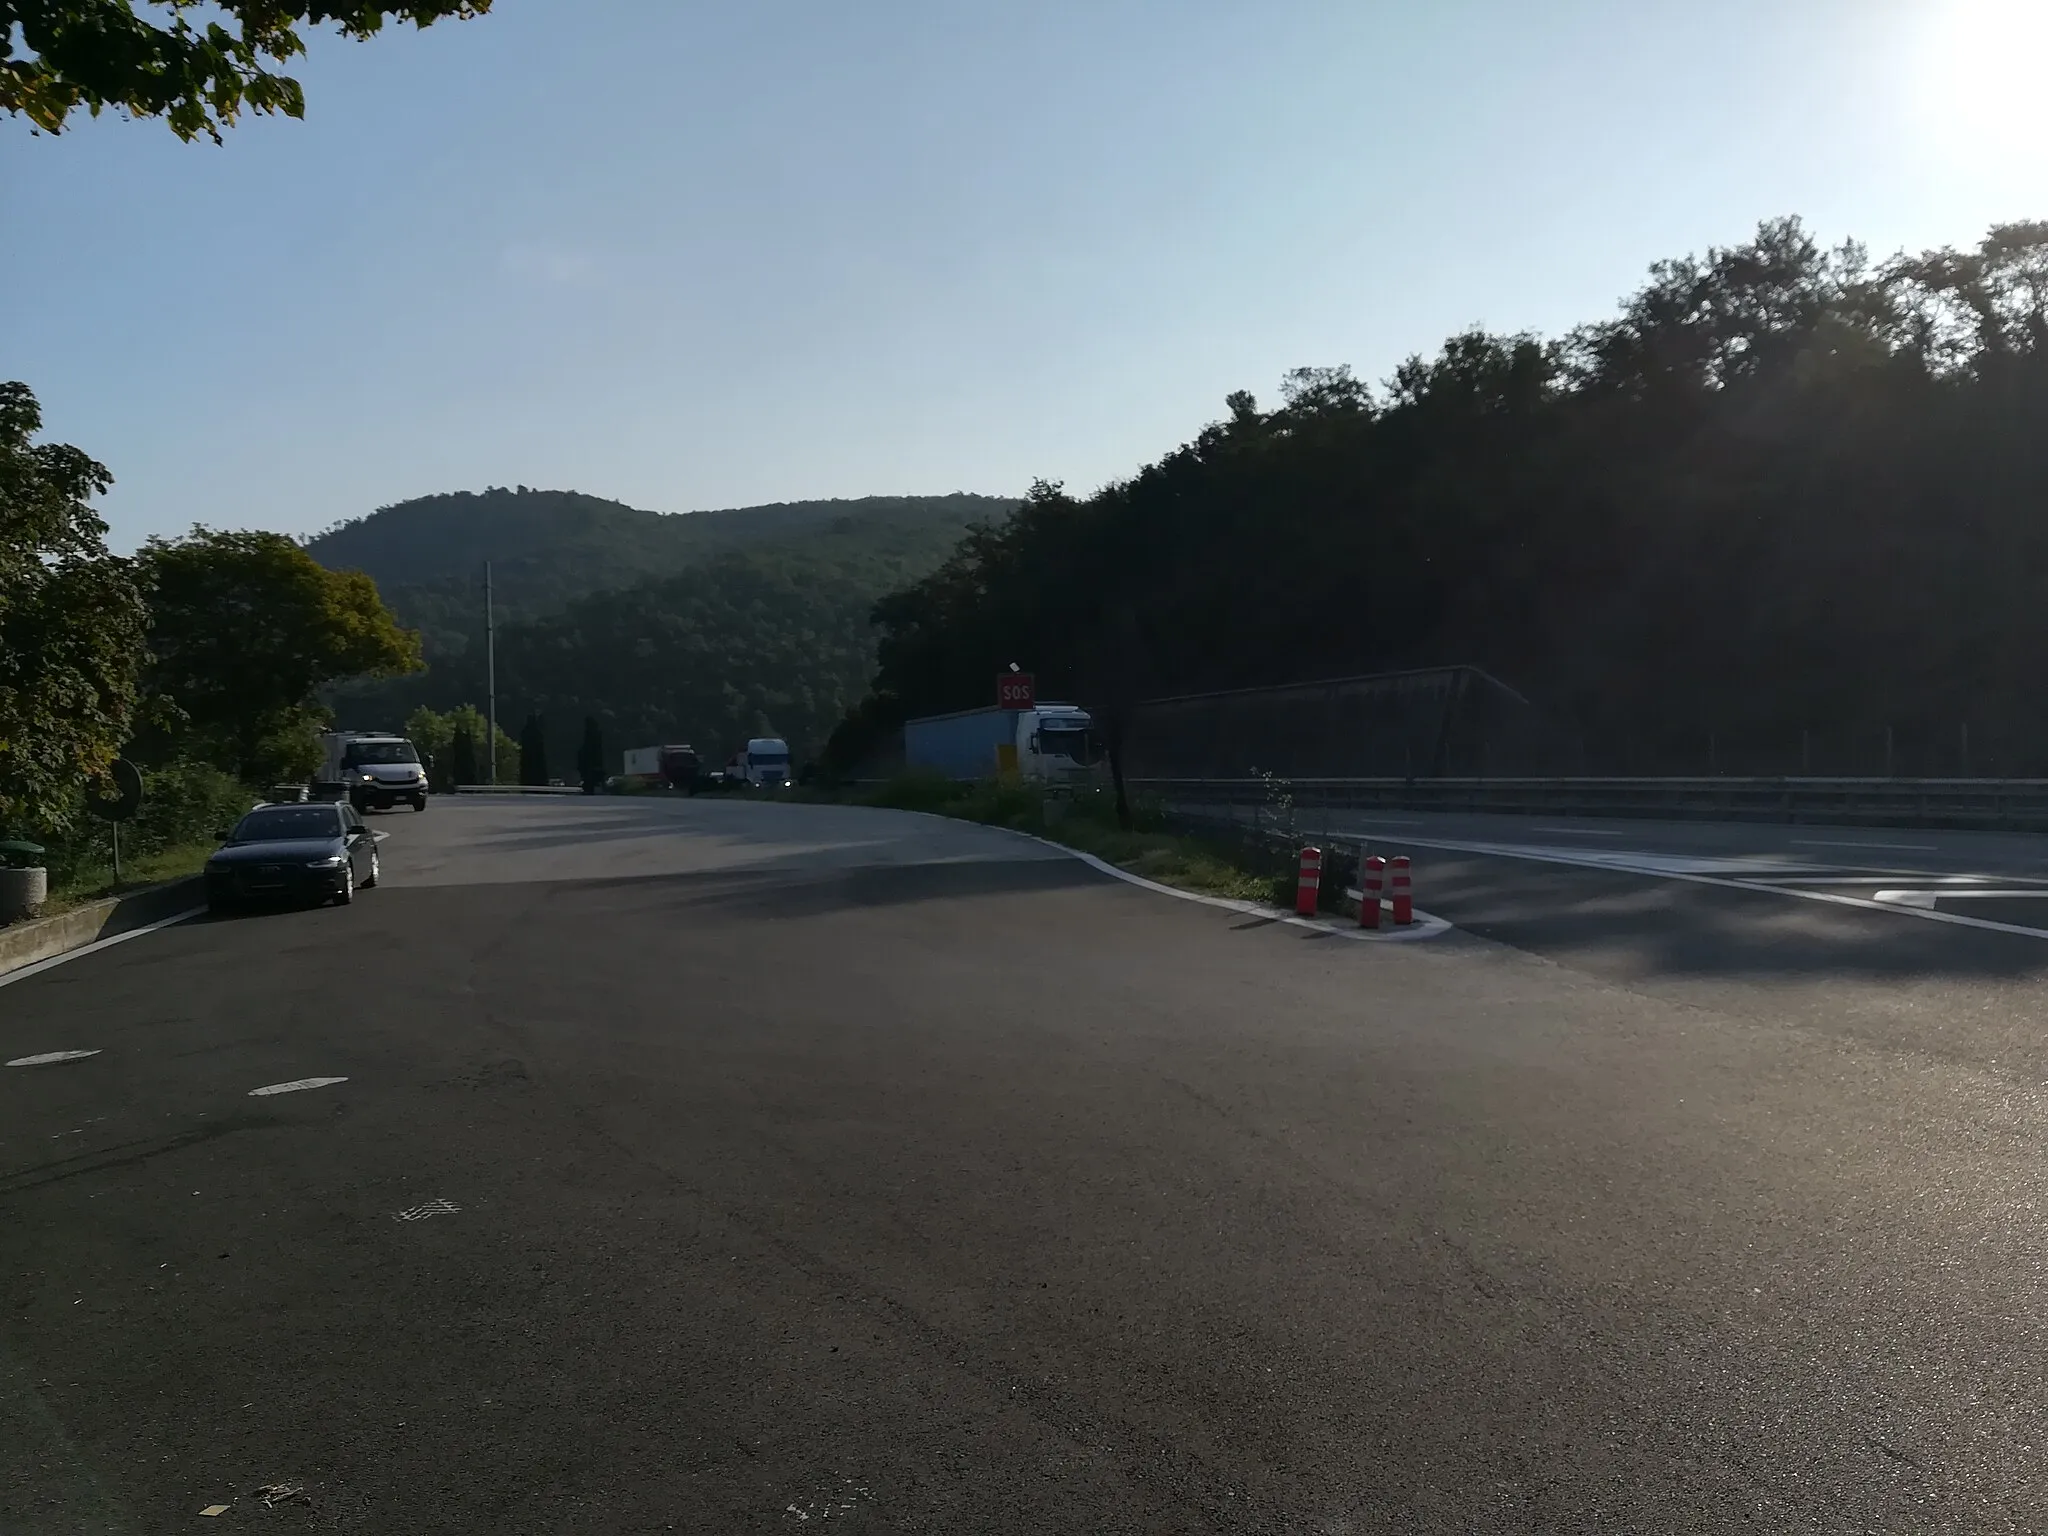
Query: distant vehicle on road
x=763, y=764
x=370, y=769
x=674, y=765
x=287, y=853
x=1052, y=742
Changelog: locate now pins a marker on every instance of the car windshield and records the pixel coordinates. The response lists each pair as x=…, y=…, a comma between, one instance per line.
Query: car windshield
x=277, y=823
x=770, y=760
x=380, y=752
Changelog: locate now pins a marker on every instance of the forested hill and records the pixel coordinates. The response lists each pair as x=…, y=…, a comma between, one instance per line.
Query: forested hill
x=1787, y=509
x=707, y=627
x=548, y=548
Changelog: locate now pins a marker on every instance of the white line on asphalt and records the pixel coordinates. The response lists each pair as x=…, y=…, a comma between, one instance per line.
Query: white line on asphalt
x=1826, y=842
x=49, y=1056
x=296, y=1085
x=1950, y=893
x=1613, y=864
x=97, y=944
x=1578, y=832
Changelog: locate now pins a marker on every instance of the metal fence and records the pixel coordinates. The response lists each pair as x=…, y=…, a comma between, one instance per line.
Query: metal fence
x=1989, y=804
x=1424, y=723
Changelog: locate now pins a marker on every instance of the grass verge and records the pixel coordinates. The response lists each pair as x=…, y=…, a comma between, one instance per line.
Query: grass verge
x=90, y=882
x=1087, y=821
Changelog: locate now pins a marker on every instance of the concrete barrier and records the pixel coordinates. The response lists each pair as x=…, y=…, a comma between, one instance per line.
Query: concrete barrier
x=23, y=944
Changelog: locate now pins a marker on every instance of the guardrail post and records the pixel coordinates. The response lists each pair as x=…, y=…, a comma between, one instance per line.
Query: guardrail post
x=1402, y=891
x=1308, y=892
x=1372, y=877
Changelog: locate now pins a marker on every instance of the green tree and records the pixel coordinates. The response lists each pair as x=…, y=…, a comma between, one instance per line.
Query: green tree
x=246, y=628
x=71, y=624
x=433, y=735
x=533, y=751
x=467, y=717
x=151, y=58
x=462, y=757
x=590, y=762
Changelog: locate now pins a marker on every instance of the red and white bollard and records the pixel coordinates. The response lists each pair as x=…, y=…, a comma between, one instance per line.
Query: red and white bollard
x=1404, y=894
x=1372, y=875
x=1308, y=894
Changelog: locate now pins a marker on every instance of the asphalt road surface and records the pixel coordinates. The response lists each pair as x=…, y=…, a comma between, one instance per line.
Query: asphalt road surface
x=729, y=1167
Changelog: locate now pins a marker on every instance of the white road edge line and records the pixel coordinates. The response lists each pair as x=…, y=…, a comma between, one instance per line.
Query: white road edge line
x=1425, y=925
x=97, y=944
x=49, y=1058
x=1559, y=856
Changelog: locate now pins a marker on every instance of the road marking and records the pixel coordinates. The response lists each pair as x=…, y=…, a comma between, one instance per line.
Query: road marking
x=96, y=945
x=431, y=1208
x=1929, y=898
x=1576, y=832
x=295, y=1086
x=49, y=1056
x=1611, y=863
x=1824, y=842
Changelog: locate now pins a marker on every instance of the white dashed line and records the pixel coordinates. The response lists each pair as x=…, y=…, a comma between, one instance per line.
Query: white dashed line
x=295, y=1086
x=49, y=1056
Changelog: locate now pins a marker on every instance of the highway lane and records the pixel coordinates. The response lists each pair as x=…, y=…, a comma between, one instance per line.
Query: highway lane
x=718, y=1166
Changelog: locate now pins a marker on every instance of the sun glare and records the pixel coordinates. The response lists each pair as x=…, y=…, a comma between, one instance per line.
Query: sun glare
x=1981, y=67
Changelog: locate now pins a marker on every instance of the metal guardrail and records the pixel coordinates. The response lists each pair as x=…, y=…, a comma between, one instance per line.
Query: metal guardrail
x=519, y=789
x=1988, y=804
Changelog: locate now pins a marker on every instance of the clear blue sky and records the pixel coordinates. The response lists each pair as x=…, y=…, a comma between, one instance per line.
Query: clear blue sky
x=711, y=254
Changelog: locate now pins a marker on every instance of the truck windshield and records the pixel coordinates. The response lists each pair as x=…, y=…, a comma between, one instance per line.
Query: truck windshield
x=765, y=761
x=380, y=752
x=1076, y=743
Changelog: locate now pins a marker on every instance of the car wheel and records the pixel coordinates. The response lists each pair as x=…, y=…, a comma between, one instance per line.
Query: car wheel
x=371, y=878
x=419, y=802
x=219, y=906
x=347, y=893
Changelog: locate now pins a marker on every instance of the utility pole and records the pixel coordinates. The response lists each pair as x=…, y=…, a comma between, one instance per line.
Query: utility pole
x=491, y=674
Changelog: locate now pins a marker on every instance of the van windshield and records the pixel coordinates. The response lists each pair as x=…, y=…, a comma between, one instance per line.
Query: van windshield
x=380, y=752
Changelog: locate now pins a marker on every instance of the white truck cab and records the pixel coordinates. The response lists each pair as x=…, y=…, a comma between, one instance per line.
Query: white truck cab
x=764, y=763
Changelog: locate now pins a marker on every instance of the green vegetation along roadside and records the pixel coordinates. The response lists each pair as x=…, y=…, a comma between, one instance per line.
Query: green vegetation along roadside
x=1086, y=821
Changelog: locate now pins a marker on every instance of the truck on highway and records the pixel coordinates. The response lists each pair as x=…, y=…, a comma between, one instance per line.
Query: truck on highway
x=1051, y=742
x=370, y=768
x=762, y=764
x=673, y=765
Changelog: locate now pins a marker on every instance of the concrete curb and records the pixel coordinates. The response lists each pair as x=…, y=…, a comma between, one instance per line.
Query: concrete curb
x=23, y=944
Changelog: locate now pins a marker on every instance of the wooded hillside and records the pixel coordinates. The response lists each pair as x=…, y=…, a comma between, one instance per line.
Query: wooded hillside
x=1788, y=506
